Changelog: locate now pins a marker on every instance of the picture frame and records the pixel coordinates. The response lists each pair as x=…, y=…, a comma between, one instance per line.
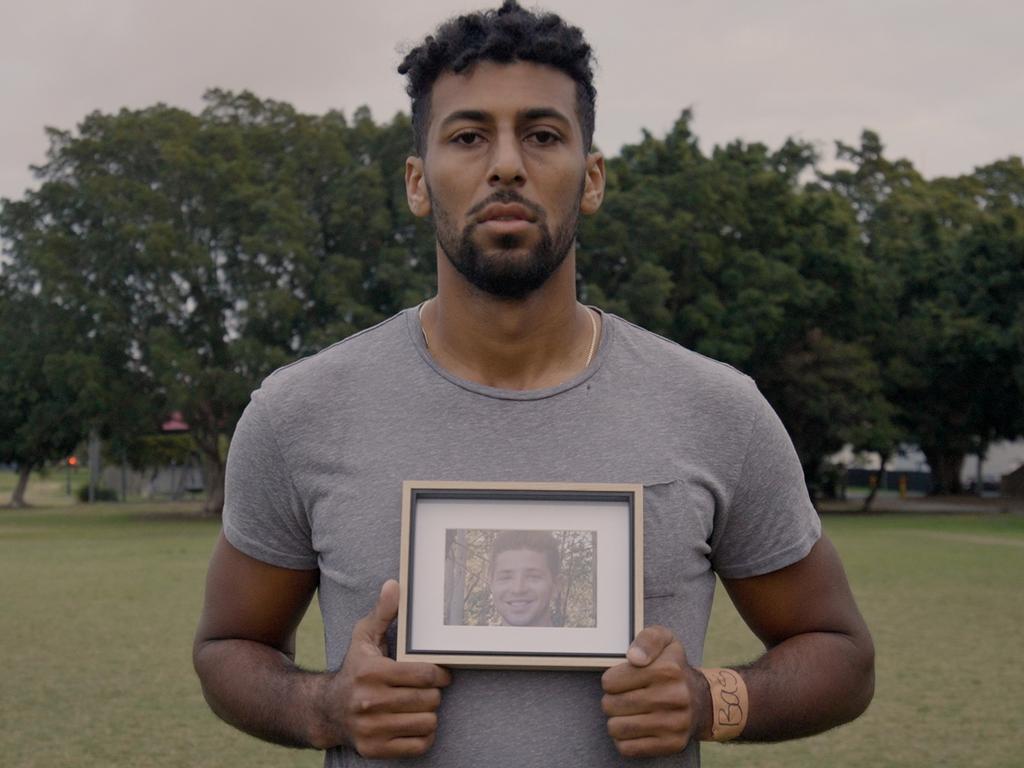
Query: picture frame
x=520, y=575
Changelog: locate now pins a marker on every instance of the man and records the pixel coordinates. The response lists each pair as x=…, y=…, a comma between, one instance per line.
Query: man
x=525, y=577
x=522, y=383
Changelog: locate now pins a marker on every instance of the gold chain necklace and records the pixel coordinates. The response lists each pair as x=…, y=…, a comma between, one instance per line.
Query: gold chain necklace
x=593, y=337
x=590, y=314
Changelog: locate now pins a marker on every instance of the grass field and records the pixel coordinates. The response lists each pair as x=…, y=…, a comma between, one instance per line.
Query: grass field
x=99, y=605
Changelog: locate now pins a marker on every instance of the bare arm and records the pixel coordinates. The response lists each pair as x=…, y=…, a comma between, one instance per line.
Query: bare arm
x=818, y=671
x=244, y=656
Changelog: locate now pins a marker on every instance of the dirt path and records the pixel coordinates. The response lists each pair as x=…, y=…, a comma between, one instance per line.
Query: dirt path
x=969, y=538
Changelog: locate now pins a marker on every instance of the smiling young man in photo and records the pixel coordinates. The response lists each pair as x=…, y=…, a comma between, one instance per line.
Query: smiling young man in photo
x=526, y=577
x=504, y=375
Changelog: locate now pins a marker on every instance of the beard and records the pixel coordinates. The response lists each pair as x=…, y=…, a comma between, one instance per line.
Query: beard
x=502, y=273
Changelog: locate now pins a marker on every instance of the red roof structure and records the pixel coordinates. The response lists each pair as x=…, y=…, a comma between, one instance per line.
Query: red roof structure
x=175, y=423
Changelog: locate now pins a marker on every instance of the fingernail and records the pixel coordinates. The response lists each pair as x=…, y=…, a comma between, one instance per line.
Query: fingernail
x=636, y=655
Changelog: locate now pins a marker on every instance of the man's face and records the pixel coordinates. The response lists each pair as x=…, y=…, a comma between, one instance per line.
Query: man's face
x=522, y=587
x=504, y=174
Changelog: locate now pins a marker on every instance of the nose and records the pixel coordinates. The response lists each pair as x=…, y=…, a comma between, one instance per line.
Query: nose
x=507, y=167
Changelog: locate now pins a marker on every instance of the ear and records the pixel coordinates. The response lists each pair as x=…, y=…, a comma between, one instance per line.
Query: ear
x=593, y=184
x=416, y=187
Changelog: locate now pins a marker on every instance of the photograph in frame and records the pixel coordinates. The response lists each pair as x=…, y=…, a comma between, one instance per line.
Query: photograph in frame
x=515, y=577
x=527, y=575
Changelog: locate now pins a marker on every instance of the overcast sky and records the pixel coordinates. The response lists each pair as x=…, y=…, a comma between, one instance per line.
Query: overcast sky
x=941, y=81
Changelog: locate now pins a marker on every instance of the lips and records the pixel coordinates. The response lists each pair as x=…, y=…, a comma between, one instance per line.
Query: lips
x=503, y=212
x=519, y=606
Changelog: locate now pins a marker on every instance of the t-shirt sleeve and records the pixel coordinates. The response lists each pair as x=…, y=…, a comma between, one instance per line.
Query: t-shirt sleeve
x=264, y=516
x=769, y=521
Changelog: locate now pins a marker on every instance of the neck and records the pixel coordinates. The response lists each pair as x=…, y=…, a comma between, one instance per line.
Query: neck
x=535, y=342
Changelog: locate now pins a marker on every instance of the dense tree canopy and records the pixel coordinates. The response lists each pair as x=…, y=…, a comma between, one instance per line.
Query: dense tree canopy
x=199, y=252
x=169, y=260
x=951, y=256
x=732, y=256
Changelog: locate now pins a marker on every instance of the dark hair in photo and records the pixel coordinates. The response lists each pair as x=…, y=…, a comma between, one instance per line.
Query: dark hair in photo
x=506, y=35
x=534, y=541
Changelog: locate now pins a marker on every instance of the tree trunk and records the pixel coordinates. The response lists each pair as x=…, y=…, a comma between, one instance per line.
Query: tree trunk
x=124, y=475
x=946, y=466
x=812, y=477
x=18, y=497
x=214, y=481
x=94, y=463
x=207, y=440
x=874, y=489
x=457, y=601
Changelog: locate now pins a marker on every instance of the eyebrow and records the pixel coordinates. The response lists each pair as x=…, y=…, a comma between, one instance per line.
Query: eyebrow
x=541, y=113
x=479, y=116
x=527, y=571
x=470, y=115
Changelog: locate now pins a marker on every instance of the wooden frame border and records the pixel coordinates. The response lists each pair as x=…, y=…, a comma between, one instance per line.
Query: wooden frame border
x=491, y=660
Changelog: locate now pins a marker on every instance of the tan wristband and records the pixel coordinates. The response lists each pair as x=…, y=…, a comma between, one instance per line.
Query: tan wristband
x=729, y=703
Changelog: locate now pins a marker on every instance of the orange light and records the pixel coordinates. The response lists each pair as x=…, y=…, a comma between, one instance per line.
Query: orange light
x=72, y=461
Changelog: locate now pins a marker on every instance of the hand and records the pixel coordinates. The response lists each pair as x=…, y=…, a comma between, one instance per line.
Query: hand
x=383, y=708
x=655, y=701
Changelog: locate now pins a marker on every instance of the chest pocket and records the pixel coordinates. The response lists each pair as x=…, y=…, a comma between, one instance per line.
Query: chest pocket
x=678, y=519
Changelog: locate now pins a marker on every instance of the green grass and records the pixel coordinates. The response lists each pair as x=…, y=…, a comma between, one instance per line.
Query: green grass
x=99, y=605
x=943, y=598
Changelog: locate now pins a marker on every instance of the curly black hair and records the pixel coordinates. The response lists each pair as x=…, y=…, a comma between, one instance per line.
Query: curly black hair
x=508, y=34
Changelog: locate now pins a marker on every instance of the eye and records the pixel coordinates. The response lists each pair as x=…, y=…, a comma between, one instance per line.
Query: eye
x=467, y=138
x=544, y=137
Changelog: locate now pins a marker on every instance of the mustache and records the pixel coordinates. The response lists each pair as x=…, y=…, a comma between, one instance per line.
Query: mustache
x=507, y=197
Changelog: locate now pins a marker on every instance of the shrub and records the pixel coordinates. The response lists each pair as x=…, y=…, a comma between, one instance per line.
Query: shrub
x=102, y=494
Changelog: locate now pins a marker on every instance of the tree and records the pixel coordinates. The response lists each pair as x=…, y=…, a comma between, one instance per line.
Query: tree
x=731, y=255
x=39, y=415
x=199, y=252
x=175, y=259
x=951, y=253
x=831, y=393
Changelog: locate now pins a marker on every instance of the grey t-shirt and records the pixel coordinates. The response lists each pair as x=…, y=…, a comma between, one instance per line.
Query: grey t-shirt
x=315, y=476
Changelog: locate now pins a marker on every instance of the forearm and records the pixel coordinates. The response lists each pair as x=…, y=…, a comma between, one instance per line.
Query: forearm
x=808, y=684
x=260, y=690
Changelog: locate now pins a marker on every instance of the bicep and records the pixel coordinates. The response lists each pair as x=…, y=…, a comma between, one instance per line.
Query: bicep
x=248, y=599
x=811, y=595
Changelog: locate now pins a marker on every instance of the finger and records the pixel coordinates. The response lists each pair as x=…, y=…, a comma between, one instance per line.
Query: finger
x=649, y=746
x=668, y=669
x=400, y=746
x=670, y=724
x=409, y=747
x=649, y=645
x=641, y=701
x=400, y=700
x=373, y=627
x=371, y=733
x=414, y=674
x=625, y=677
x=401, y=725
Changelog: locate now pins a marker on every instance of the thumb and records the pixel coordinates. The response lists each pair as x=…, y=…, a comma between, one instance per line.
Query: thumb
x=653, y=642
x=373, y=627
